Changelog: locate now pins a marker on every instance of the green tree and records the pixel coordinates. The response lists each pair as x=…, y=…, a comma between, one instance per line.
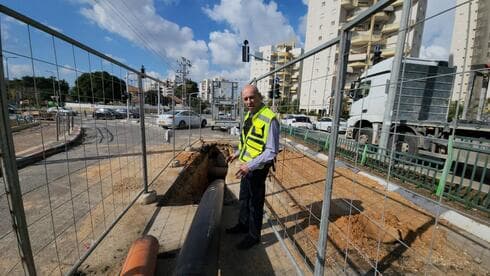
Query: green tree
x=190, y=87
x=452, y=110
x=98, y=87
x=38, y=88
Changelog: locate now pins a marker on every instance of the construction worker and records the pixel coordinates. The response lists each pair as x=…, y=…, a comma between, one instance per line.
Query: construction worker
x=259, y=145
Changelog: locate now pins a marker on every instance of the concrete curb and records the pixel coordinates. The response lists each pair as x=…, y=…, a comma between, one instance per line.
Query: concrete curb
x=35, y=154
x=26, y=126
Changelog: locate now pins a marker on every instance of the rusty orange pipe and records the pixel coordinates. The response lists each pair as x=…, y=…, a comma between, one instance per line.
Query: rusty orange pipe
x=142, y=257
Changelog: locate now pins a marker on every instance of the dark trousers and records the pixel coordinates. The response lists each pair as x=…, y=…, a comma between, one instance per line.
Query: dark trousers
x=251, y=198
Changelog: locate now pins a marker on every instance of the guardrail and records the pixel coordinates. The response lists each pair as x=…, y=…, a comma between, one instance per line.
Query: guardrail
x=467, y=180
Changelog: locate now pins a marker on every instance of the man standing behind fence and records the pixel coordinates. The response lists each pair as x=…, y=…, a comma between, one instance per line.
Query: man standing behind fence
x=259, y=145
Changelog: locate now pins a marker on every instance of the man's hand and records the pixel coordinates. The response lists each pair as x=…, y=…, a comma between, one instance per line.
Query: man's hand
x=230, y=158
x=242, y=171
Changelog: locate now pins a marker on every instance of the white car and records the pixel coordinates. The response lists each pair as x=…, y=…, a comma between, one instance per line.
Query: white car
x=180, y=119
x=61, y=111
x=302, y=121
x=325, y=124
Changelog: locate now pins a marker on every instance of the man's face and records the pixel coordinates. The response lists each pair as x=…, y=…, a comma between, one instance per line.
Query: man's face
x=251, y=99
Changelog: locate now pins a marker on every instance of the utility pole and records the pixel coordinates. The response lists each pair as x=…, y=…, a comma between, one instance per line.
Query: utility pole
x=184, y=65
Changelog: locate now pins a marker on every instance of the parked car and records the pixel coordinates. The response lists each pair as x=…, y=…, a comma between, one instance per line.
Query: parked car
x=180, y=119
x=302, y=121
x=106, y=114
x=62, y=111
x=325, y=124
x=124, y=113
x=12, y=109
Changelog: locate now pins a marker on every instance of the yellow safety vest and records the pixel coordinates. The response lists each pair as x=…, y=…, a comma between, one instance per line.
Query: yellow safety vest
x=252, y=144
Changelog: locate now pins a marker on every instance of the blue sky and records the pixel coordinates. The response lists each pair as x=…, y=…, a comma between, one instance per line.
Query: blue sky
x=208, y=32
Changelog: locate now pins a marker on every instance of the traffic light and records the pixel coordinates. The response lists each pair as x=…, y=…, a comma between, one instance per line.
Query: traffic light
x=270, y=94
x=245, y=51
x=376, y=55
x=277, y=89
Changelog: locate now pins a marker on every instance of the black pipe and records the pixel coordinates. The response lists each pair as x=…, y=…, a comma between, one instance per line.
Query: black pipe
x=199, y=254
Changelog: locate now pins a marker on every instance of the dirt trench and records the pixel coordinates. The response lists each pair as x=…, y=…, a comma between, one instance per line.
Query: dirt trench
x=369, y=226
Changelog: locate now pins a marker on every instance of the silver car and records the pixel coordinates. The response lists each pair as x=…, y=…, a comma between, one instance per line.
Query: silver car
x=180, y=119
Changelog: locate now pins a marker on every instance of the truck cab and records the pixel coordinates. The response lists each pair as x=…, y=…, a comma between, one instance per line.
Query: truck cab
x=422, y=101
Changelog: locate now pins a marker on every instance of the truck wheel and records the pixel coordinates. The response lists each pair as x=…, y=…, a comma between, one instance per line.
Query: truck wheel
x=212, y=127
x=405, y=142
x=204, y=123
x=329, y=129
x=365, y=136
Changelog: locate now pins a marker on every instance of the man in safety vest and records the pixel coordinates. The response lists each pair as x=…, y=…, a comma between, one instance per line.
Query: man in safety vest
x=259, y=145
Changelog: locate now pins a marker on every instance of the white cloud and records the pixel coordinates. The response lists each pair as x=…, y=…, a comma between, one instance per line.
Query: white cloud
x=436, y=41
x=107, y=38
x=19, y=70
x=249, y=19
x=434, y=52
x=246, y=20
x=225, y=48
x=221, y=56
x=302, y=26
x=148, y=29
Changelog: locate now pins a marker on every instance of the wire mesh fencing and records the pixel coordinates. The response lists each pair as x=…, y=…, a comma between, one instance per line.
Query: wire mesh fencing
x=82, y=148
x=407, y=162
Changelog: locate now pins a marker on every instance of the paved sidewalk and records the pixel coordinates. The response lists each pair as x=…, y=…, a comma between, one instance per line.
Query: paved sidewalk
x=33, y=144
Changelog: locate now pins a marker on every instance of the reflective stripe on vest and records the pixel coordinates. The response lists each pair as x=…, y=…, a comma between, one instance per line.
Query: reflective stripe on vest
x=252, y=144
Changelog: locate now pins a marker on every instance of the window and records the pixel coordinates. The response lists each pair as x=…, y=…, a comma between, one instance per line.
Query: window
x=332, y=22
x=323, y=4
x=319, y=37
x=320, y=27
x=361, y=90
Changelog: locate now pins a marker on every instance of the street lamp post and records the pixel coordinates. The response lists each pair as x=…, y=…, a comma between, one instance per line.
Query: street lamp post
x=8, y=78
x=190, y=105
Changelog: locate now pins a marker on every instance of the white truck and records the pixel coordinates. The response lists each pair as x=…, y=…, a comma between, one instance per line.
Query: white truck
x=420, y=111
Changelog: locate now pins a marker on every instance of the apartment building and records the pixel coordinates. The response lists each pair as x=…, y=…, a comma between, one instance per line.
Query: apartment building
x=205, y=90
x=470, y=52
x=324, y=19
x=273, y=56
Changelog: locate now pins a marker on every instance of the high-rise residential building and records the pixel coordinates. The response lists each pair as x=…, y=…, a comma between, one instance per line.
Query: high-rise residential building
x=271, y=57
x=470, y=49
x=324, y=19
x=205, y=90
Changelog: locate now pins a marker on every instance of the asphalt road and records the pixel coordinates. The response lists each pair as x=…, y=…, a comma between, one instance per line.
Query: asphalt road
x=62, y=190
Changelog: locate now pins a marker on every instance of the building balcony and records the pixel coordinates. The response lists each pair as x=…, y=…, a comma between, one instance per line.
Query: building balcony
x=386, y=53
x=397, y=3
x=363, y=39
x=347, y=4
x=357, y=64
x=357, y=57
x=381, y=17
x=390, y=28
x=363, y=3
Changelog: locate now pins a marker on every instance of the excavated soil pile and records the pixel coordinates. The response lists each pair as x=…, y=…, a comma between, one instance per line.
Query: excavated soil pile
x=369, y=226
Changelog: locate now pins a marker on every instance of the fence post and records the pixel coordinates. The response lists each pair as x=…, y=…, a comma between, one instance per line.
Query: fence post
x=142, y=129
x=447, y=167
x=11, y=179
x=148, y=196
x=364, y=155
x=306, y=135
x=339, y=86
x=327, y=142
